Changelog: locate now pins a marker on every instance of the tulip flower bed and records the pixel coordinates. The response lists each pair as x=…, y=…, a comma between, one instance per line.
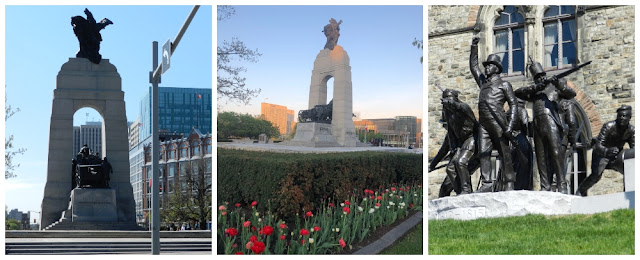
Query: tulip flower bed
x=293, y=183
x=333, y=228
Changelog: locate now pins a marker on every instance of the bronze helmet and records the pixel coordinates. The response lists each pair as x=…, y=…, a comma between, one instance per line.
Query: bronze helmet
x=536, y=70
x=495, y=60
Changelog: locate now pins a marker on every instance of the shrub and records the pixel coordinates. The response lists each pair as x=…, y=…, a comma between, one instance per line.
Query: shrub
x=295, y=183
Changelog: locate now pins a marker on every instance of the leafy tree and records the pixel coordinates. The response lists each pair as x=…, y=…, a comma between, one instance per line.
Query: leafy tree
x=10, y=152
x=191, y=197
x=418, y=43
x=232, y=124
x=12, y=224
x=370, y=136
x=230, y=82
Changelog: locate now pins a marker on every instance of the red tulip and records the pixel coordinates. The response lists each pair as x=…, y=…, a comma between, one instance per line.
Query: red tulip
x=257, y=247
x=342, y=243
x=267, y=230
x=231, y=231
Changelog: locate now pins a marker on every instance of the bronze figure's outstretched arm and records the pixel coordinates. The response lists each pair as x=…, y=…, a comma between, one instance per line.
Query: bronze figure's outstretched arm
x=473, y=62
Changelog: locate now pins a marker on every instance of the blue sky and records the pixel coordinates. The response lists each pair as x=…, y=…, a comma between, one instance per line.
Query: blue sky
x=39, y=39
x=385, y=67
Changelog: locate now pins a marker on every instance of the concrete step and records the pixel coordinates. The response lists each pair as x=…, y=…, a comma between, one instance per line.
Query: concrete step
x=103, y=248
x=93, y=226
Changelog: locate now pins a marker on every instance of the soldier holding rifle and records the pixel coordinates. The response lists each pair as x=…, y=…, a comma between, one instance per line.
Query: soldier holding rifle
x=461, y=130
x=546, y=95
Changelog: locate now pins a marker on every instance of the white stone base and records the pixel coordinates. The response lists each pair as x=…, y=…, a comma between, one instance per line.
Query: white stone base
x=520, y=203
x=629, y=175
x=93, y=205
x=313, y=134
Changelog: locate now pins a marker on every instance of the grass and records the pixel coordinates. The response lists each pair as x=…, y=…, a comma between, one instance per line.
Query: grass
x=410, y=244
x=610, y=233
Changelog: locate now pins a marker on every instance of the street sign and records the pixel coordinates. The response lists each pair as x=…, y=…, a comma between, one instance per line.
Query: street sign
x=166, y=54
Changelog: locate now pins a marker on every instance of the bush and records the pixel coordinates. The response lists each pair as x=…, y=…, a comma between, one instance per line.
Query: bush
x=295, y=183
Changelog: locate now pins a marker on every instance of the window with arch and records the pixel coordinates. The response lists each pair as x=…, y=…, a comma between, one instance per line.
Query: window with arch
x=195, y=148
x=183, y=150
x=208, y=142
x=508, y=38
x=559, y=37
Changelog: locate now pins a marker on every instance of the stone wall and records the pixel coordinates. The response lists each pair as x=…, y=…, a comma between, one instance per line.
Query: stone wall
x=606, y=37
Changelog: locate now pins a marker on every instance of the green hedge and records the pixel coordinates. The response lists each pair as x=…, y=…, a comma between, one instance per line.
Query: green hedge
x=294, y=183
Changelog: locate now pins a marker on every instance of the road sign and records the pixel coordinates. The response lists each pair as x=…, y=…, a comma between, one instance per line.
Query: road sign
x=166, y=54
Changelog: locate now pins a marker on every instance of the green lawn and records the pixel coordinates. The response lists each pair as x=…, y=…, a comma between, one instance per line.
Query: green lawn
x=410, y=244
x=603, y=233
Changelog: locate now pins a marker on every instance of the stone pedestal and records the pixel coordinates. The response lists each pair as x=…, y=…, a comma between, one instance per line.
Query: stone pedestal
x=335, y=64
x=629, y=175
x=520, y=203
x=81, y=83
x=314, y=134
x=93, y=205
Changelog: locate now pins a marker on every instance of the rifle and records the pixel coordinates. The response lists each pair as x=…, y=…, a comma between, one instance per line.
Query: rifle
x=439, y=87
x=563, y=74
x=439, y=166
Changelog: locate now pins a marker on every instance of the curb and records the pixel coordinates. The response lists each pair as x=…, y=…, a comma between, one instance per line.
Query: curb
x=390, y=237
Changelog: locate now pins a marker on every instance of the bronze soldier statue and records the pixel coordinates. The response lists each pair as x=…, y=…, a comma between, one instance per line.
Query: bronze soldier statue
x=462, y=128
x=548, y=128
x=497, y=127
x=522, y=165
x=608, y=150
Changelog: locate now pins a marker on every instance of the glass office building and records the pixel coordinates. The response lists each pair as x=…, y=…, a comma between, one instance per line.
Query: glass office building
x=180, y=109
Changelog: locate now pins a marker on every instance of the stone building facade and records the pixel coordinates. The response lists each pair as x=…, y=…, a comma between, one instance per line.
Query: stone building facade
x=601, y=34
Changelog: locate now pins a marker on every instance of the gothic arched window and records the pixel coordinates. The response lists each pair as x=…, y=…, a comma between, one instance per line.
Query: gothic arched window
x=508, y=33
x=559, y=37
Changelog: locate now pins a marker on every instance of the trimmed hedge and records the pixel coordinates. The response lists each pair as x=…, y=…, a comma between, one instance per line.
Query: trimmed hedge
x=294, y=183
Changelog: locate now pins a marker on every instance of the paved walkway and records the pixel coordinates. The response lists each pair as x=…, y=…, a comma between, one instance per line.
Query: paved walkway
x=391, y=236
x=282, y=148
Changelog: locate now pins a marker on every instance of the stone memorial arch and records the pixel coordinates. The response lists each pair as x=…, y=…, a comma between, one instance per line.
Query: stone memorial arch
x=325, y=125
x=82, y=83
x=335, y=64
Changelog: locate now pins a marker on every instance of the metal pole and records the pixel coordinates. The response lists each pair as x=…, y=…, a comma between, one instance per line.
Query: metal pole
x=155, y=151
x=158, y=69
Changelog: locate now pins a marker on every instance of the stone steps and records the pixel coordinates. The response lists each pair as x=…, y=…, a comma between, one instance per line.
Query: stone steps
x=67, y=225
x=125, y=247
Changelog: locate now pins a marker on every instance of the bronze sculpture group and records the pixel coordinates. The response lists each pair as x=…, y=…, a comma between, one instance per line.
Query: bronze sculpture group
x=89, y=170
x=469, y=143
x=88, y=33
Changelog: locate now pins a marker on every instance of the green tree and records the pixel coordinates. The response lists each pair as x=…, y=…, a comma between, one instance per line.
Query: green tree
x=9, y=151
x=230, y=82
x=370, y=136
x=12, y=224
x=232, y=124
x=190, y=200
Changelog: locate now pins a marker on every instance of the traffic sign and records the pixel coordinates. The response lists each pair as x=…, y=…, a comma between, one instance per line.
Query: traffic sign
x=166, y=54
